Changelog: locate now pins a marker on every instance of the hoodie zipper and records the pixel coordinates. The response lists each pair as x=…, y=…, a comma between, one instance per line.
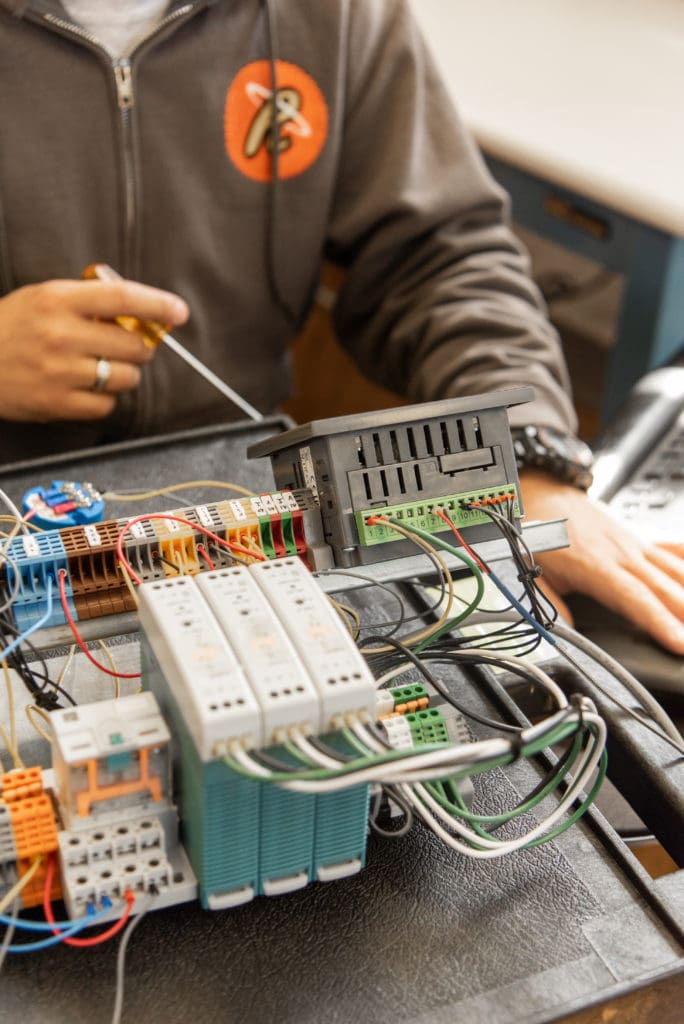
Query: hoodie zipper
x=125, y=98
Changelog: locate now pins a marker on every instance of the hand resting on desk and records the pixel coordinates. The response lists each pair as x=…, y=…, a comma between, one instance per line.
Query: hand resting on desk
x=641, y=581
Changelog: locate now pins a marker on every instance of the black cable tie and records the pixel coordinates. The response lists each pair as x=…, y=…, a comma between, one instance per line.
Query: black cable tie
x=46, y=700
x=530, y=574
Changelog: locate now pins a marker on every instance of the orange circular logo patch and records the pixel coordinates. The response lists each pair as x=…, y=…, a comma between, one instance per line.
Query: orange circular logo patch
x=301, y=120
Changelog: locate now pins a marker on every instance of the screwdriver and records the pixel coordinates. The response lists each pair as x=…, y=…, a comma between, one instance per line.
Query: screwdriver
x=155, y=334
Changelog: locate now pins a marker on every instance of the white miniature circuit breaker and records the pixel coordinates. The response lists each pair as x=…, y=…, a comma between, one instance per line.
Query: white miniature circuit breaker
x=338, y=670
x=279, y=680
x=199, y=665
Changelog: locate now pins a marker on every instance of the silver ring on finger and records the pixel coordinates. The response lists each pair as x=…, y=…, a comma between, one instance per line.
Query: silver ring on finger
x=103, y=372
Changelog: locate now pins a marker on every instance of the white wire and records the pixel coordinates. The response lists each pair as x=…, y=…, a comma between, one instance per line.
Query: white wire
x=312, y=753
x=121, y=964
x=428, y=765
x=398, y=670
x=496, y=847
x=521, y=665
x=4, y=557
x=14, y=510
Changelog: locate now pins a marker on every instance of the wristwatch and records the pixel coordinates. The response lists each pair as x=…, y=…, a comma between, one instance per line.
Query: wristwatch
x=562, y=455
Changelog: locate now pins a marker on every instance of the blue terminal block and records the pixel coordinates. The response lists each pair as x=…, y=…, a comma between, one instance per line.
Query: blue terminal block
x=64, y=503
x=37, y=560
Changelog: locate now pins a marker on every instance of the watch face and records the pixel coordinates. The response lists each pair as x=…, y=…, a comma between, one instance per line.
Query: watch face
x=560, y=454
x=566, y=447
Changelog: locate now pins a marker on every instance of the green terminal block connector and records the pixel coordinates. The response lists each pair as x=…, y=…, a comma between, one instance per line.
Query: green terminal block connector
x=421, y=514
x=414, y=693
x=427, y=726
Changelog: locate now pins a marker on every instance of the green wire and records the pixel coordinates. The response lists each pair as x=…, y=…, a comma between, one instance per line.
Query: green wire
x=299, y=755
x=603, y=768
x=461, y=555
x=560, y=828
x=460, y=809
x=557, y=735
x=323, y=774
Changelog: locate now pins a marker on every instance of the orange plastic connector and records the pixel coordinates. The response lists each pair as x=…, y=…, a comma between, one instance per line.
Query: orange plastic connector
x=19, y=784
x=96, y=793
x=32, y=893
x=33, y=826
x=410, y=706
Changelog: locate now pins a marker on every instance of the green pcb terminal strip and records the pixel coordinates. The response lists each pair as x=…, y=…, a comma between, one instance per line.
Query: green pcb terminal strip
x=422, y=515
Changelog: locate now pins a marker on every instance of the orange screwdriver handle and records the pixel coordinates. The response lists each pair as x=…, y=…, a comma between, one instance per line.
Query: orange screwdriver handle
x=151, y=331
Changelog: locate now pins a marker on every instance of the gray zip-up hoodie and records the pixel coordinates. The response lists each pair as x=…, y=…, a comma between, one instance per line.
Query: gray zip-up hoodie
x=159, y=165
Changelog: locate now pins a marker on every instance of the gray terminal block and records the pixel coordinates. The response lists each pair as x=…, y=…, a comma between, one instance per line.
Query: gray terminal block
x=404, y=462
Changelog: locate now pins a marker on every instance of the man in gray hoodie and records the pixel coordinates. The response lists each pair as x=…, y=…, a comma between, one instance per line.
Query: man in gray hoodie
x=147, y=135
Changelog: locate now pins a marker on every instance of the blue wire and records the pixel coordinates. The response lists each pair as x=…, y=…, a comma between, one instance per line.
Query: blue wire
x=36, y=625
x=38, y=926
x=79, y=926
x=522, y=610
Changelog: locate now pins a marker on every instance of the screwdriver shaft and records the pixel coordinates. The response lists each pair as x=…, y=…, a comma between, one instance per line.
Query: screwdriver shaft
x=211, y=377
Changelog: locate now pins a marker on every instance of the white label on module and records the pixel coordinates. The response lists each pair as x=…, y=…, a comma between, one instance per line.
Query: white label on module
x=138, y=530
x=290, y=501
x=171, y=525
x=31, y=549
x=204, y=515
x=237, y=510
x=92, y=536
x=269, y=504
x=308, y=472
x=257, y=506
x=280, y=502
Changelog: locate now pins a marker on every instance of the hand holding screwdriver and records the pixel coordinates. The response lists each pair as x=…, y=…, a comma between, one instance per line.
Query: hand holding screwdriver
x=55, y=335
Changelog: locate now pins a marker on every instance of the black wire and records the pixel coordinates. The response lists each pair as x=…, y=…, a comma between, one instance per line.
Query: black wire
x=391, y=794
x=394, y=623
x=323, y=748
x=157, y=557
x=441, y=689
x=17, y=660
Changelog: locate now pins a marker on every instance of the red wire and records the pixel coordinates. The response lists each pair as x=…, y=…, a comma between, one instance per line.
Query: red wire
x=79, y=639
x=186, y=522
x=464, y=544
x=94, y=940
x=202, y=551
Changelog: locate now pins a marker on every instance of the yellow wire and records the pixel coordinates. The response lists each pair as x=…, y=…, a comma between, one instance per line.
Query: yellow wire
x=346, y=613
x=435, y=626
x=65, y=667
x=20, y=523
x=32, y=710
x=129, y=583
x=112, y=664
x=9, y=897
x=11, y=741
x=173, y=489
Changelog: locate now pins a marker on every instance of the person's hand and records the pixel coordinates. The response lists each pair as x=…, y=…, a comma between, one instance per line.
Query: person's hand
x=643, y=582
x=53, y=335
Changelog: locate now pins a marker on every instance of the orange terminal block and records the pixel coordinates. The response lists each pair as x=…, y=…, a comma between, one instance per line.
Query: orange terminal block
x=17, y=785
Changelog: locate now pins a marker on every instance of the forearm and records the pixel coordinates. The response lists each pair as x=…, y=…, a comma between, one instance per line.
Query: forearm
x=437, y=299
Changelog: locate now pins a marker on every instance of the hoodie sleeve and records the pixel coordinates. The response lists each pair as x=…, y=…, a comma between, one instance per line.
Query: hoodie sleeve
x=437, y=300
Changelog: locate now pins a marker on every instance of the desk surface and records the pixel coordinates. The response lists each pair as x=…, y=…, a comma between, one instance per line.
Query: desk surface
x=586, y=95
